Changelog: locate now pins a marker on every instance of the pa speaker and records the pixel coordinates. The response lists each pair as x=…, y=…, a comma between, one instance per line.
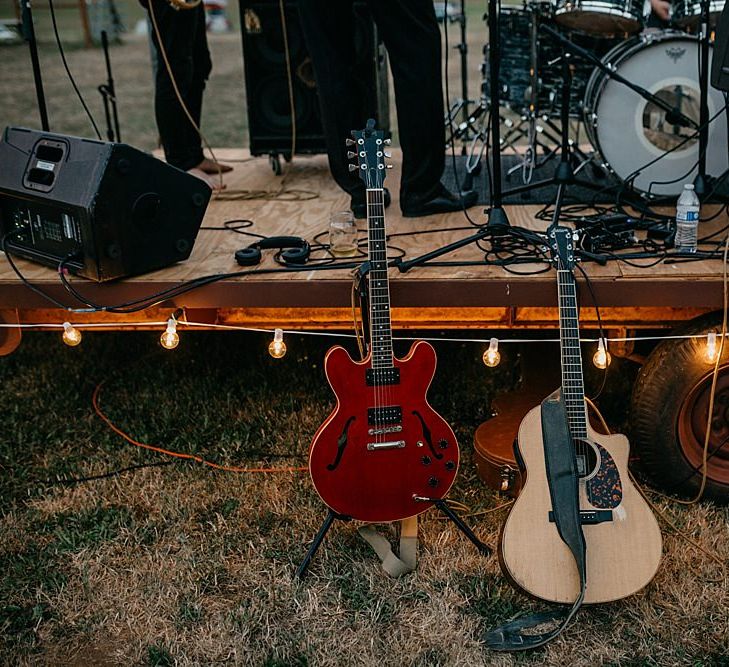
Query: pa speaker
x=266, y=80
x=105, y=210
x=720, y=62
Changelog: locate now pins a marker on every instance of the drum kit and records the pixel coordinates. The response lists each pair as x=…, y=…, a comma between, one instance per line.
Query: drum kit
x=638, y=91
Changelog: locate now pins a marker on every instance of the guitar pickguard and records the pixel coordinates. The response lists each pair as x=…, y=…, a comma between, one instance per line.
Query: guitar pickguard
x=604, y=489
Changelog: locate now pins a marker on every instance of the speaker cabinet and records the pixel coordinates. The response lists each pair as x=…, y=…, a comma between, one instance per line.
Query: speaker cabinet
x=267, y=92
x=105, y=210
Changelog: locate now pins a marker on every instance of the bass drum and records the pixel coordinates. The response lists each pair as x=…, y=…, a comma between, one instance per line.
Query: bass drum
x=629, y=132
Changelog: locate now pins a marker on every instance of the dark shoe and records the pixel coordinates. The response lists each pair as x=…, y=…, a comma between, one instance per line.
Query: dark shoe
x=359, y=205
x=444, y=201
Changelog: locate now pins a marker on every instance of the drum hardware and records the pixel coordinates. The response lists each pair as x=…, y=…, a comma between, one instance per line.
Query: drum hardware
x=700, y=182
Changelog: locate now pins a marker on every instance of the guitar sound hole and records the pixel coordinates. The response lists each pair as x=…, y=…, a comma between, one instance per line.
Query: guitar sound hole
x=587, y=458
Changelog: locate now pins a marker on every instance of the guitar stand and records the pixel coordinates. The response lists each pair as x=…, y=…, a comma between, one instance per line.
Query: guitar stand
x=441, y=504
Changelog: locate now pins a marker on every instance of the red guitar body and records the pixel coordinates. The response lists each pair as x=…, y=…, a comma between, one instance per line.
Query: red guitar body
x=370, y=475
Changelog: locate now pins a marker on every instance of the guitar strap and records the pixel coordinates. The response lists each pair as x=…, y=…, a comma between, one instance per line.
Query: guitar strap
x=562, y=478
x=395, y=566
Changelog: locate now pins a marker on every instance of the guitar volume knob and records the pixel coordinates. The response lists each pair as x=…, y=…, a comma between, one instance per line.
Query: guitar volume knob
x=450, y=465
x=426, y=460
x=443, y=443
x=433, y=482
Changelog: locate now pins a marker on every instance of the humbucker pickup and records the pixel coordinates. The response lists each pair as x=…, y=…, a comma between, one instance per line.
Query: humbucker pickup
x=385, y=429
x=388, y=414
x=590, y=517
x=393, y=444
x=378, y=377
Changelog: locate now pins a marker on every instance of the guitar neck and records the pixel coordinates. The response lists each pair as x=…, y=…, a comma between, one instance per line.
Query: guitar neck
x=573, y=386
x=379, y=287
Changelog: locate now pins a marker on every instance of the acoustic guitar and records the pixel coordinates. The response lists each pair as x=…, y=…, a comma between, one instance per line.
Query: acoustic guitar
x=622, y=536
x=384, y=454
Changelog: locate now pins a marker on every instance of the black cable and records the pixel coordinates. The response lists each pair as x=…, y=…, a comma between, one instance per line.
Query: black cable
x=107, y=475
x=68, y=71
x=588, y=282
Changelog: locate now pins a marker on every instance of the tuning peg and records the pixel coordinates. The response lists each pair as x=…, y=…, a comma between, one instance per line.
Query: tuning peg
x=387, y=142
x=388, y=154
x=350, y=142
x=351, y=154
x=352, y=167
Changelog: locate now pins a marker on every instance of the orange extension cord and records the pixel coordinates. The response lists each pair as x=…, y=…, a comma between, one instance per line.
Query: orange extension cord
x=178, y=455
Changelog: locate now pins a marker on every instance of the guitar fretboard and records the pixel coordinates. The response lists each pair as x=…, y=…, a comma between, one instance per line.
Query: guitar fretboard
x=379, y=291
x=573, y=386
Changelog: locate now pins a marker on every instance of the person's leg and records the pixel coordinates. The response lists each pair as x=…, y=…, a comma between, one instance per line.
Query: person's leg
x=411, y=35
x=177, y=29
x=328, y=29
x=202, y=66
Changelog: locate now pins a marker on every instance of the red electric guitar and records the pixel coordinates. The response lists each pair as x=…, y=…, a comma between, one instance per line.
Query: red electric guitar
x=384, y=454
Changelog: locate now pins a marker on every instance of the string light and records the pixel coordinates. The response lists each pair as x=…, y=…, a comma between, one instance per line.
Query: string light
x=170, y=339
x=712, y=349
x=492, y=356
x=71, y=335
x=602, y=357
x=277, y=347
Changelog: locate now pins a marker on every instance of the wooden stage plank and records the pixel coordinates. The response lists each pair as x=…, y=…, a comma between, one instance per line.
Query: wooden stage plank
x=439, y=295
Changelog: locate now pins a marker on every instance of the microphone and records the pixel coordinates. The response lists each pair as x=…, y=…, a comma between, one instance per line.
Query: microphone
x=675, y=117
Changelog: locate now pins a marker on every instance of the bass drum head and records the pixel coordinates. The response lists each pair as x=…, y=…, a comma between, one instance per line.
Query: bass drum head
x=629, y=132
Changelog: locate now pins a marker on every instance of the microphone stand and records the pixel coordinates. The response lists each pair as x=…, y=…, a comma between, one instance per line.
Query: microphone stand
x=498, y=220
x=108, y=95
x=29, y=36
x=700, y=182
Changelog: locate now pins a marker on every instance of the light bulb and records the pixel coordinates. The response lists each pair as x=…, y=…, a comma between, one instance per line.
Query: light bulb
x=277, y=347
x=170, y=339
x=602, y=357
x=492, y=356
x=712, y=350
x=71, y=335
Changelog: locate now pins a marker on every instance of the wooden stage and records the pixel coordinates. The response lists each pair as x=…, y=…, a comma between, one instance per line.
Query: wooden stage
x=475, y=297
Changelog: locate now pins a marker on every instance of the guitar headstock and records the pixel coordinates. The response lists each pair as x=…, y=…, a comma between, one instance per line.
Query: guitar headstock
x=562, y=245
x=370, y=154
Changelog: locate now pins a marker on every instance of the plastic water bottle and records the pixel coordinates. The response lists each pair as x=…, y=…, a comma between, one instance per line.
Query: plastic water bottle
x=687, y=220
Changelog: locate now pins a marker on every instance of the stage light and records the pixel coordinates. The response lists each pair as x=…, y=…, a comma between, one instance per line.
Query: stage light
x=602, y=357
x=170, y=339
x=712, y=349
x=277, y=347
x=71, y=335
x=492, y=356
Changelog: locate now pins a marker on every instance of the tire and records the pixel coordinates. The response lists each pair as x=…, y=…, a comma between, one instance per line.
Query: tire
x=669, y=410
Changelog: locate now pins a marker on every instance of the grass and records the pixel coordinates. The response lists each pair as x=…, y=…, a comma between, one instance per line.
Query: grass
x=184, y=565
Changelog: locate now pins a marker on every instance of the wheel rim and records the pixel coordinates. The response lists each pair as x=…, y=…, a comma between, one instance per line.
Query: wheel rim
x=692, y=426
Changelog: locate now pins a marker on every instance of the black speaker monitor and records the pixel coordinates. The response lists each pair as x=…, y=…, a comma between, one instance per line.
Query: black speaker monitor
x=720, y=62
x=106, y=210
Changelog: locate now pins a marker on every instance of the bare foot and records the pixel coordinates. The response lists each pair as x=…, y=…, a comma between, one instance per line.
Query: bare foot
x=214, y=183
x=211, y=167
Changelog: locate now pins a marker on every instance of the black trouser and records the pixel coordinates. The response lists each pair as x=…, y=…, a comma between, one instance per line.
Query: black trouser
x=183, y=37
x=411, y=35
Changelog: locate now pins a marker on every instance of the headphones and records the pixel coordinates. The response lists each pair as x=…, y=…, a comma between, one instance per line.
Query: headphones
x=294, y=250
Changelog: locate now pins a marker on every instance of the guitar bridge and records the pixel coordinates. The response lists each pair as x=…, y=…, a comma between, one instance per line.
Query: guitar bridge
x=590, y=517
x=393, y=444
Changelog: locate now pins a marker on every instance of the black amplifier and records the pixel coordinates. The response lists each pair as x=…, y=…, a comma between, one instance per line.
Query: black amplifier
x=105, y=210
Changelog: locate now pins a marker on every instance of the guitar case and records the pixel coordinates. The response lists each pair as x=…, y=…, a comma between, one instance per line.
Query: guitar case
x=494, y=450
